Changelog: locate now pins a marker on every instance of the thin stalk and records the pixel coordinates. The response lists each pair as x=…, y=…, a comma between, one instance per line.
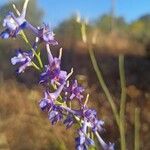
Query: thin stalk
x=34, y=52
x=99, y=74
x=83, y=32
x=103, y=85
x=35, y=66
x=122, y=102
x=137, y=129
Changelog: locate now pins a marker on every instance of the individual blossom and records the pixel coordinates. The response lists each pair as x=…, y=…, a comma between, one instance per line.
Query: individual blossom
x=83, y=141
x=97, y=125
x=46, y=35
x=75, y=91
x=13, y=25
x=46, y=103
x=89, y=114
x=55, y=114
x=22, y=58
x=50, y=98
x=69, y=121
x=53, y=73
x=91, y=117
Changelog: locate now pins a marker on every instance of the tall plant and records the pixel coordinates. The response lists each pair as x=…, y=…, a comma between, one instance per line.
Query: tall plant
x=59, y=91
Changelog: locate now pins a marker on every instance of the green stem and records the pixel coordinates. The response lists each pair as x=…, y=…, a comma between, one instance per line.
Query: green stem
x=137, y=129
x=122, y=102
x=99, y=74
x=34, y=52
x=103, y=85
x=35, y=66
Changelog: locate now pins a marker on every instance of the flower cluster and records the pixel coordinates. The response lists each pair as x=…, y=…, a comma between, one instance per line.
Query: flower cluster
x=59, y=92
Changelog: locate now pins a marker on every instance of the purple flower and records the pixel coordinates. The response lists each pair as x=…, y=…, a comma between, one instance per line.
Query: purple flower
x=55, y=114
x=90, y=114
x=22, y=58
x=46, y=35
x=91, y=117
x=83, y=141
x=69, y=121
x=46, y=103
x=75, y=91
x=98, y=125
x=13, y=25
x=53, y=74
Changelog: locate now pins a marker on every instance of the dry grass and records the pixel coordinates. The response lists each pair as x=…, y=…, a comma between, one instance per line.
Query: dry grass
x=24, y=127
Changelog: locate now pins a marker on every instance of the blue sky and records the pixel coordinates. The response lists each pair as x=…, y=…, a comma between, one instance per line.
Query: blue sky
x=57, y=10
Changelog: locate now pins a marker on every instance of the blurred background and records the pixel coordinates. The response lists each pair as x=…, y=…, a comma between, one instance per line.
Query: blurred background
x=116, y=27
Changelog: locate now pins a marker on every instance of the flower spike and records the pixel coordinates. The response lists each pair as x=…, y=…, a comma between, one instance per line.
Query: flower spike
x=59, y=92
